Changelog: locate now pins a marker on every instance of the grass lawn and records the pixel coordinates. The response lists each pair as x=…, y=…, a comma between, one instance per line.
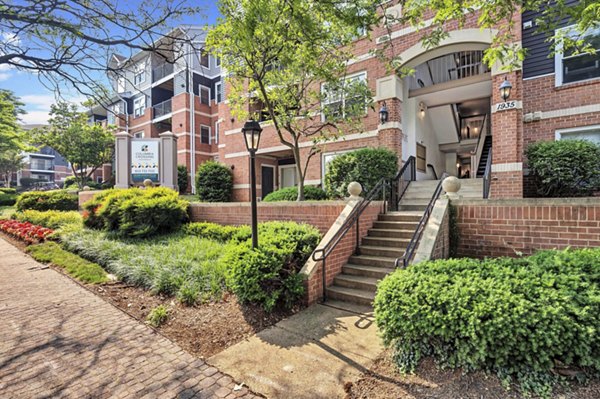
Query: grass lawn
x=81, y=269
x=189, y=197
x=6, y=211
x=174, y=264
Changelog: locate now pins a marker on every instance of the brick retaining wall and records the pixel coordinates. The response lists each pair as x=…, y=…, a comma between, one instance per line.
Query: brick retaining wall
x=509, y=227
x=320, y=214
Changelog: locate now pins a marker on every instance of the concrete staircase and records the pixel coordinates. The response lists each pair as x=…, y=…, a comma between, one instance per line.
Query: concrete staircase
x=385, y=242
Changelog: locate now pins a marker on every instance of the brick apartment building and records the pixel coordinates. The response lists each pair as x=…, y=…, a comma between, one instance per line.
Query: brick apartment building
x=447, y=114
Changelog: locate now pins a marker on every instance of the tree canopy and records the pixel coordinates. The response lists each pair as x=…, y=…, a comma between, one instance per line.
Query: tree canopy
x=10, y=131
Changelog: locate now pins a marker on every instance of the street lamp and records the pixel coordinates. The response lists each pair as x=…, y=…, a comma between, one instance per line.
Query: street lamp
x=383, y=114
x=505, y=88
x=252, y=132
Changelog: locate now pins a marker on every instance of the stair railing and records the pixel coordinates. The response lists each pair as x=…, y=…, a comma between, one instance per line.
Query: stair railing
x=487, y=175
x=394, y=189
x=414, y=241
x=400, y=182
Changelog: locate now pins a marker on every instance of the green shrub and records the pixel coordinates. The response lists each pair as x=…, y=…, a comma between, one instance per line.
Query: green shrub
x=182, y=178
x=366, y=166
x=214, y=182
x=514, y=317
x=188, y=293
x=269, y=275
x=137, y=212
x=214, y=231
x=28, y=182
x=7, y=199
x=8, y=190
x=56, y=200
x=70, y=183
x=81, y=269
x=565, y=168
x=158, y=316
x=291, y=193
x=49, y=219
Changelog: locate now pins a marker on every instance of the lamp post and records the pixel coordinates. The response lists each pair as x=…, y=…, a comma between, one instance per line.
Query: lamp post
x=383, y=114
x=505, y=88
x=252, y=132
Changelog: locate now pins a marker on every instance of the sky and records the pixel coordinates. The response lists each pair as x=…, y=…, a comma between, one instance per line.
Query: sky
x=37, y=98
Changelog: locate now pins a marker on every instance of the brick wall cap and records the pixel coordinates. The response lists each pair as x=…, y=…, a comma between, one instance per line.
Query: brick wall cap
x=595, y=201
x=267, y=204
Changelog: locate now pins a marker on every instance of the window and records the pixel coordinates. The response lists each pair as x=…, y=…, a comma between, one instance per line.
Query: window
x=204, y=95
x=41, y=164
x=219, y=92
x=421, y=158
x=218, y=61
x=328, y=157
x=335, y=104
x=590, y=133
x=138, y=135
x=204, y=59
x=139, y=74
x=205, y=134
x=571, y=67
x=99, y=179
x=139, y=106
x=287, y=176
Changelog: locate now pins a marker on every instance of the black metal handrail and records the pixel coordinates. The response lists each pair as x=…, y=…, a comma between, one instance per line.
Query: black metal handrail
x=435, y=177
x=487, y=175
x=412, y=245
x=400, y=183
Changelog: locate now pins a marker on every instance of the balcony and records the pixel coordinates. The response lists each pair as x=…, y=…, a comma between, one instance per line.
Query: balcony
x=161, y=110
x=162, y=71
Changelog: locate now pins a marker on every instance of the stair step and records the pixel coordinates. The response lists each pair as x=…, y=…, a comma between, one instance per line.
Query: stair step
x=351, y=295
x=416, y=201
x=371, y=260
x=376, y=272
x=386, y=252
x=391, y=233
x=409, y=207
x=392, y=243
x=401, y=217
x=391, y=225
x=358, y=282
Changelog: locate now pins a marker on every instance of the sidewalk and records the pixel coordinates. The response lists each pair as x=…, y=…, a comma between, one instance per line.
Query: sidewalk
x=59, y=340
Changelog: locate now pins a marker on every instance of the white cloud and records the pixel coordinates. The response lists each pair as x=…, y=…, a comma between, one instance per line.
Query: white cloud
x=35, y=117
x=38, y=107
x=5, y=72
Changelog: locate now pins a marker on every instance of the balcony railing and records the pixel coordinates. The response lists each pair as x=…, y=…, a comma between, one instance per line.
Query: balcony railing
x=161, y=71
x=161, y=109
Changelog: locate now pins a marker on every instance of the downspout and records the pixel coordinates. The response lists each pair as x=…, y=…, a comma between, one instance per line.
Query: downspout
x=192, y=122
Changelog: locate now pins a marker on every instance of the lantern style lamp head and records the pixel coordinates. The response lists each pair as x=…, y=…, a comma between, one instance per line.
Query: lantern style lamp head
x=505, y=88
x=252, y=132
x=383, y=114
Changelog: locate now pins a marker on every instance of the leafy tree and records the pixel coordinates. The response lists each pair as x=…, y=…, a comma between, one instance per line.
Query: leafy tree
x=282, y=51
x=10, y=131
x=10, y=162
x=85, y=146
x=69, y=41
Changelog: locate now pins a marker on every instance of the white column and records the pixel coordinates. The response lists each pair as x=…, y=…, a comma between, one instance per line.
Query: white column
x=168, y=160
x=122, y=159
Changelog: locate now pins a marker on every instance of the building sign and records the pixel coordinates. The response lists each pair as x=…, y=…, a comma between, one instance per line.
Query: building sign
x=507, y=105
x=144, y=160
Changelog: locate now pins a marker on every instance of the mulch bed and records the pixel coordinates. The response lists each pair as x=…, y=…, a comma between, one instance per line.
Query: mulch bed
x=382, y=381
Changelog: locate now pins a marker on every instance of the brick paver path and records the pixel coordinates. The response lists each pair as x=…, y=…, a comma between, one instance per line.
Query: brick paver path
x=59, y=340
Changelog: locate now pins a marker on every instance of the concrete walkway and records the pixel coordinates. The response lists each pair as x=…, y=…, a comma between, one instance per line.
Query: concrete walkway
x=310, y=355
x=59, y=340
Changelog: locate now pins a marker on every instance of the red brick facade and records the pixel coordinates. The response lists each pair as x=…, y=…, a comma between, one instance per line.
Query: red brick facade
x=513, y=227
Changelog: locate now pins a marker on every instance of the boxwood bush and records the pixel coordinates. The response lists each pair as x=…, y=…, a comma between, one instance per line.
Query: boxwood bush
x=182, y=178
x=269, y=275
x=8, y=190
x=214, y=182
x=214, y=231
x=565, y=168
x=366, y=166
x=311, y=193
x=137, y=212
x=7, y=199
x=55, y=200
x=49, y=219
x=515, y=317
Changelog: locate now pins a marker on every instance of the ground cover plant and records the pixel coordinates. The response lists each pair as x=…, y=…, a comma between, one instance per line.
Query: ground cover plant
x=291, y=194
x=81, y=269
x=55, y=200
x=518, y=318
x=8, y=197
x=50, y=219
x=25, y=231
x=158, y=316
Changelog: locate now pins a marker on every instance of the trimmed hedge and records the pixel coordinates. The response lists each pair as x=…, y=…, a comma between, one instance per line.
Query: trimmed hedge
x=8, y=190
x=366, y=166
x=7, y=199
x=214, y=231
x=214, y=182
x=50, y=219
x=55, y=200
x=137, y=212
x=311, y=193
x=515, y=317
x=565, y=168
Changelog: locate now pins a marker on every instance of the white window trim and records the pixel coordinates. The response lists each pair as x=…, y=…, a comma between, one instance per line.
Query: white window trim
x=217, y=131
x=209, y=134
x=140, y=133
x=331, y=153
x=218, y=90
x=200, y=87
x=139, y=69
x=141, y=101
x=281, y=169
x=348, y=77
x=558, y=60
x=558, y=134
